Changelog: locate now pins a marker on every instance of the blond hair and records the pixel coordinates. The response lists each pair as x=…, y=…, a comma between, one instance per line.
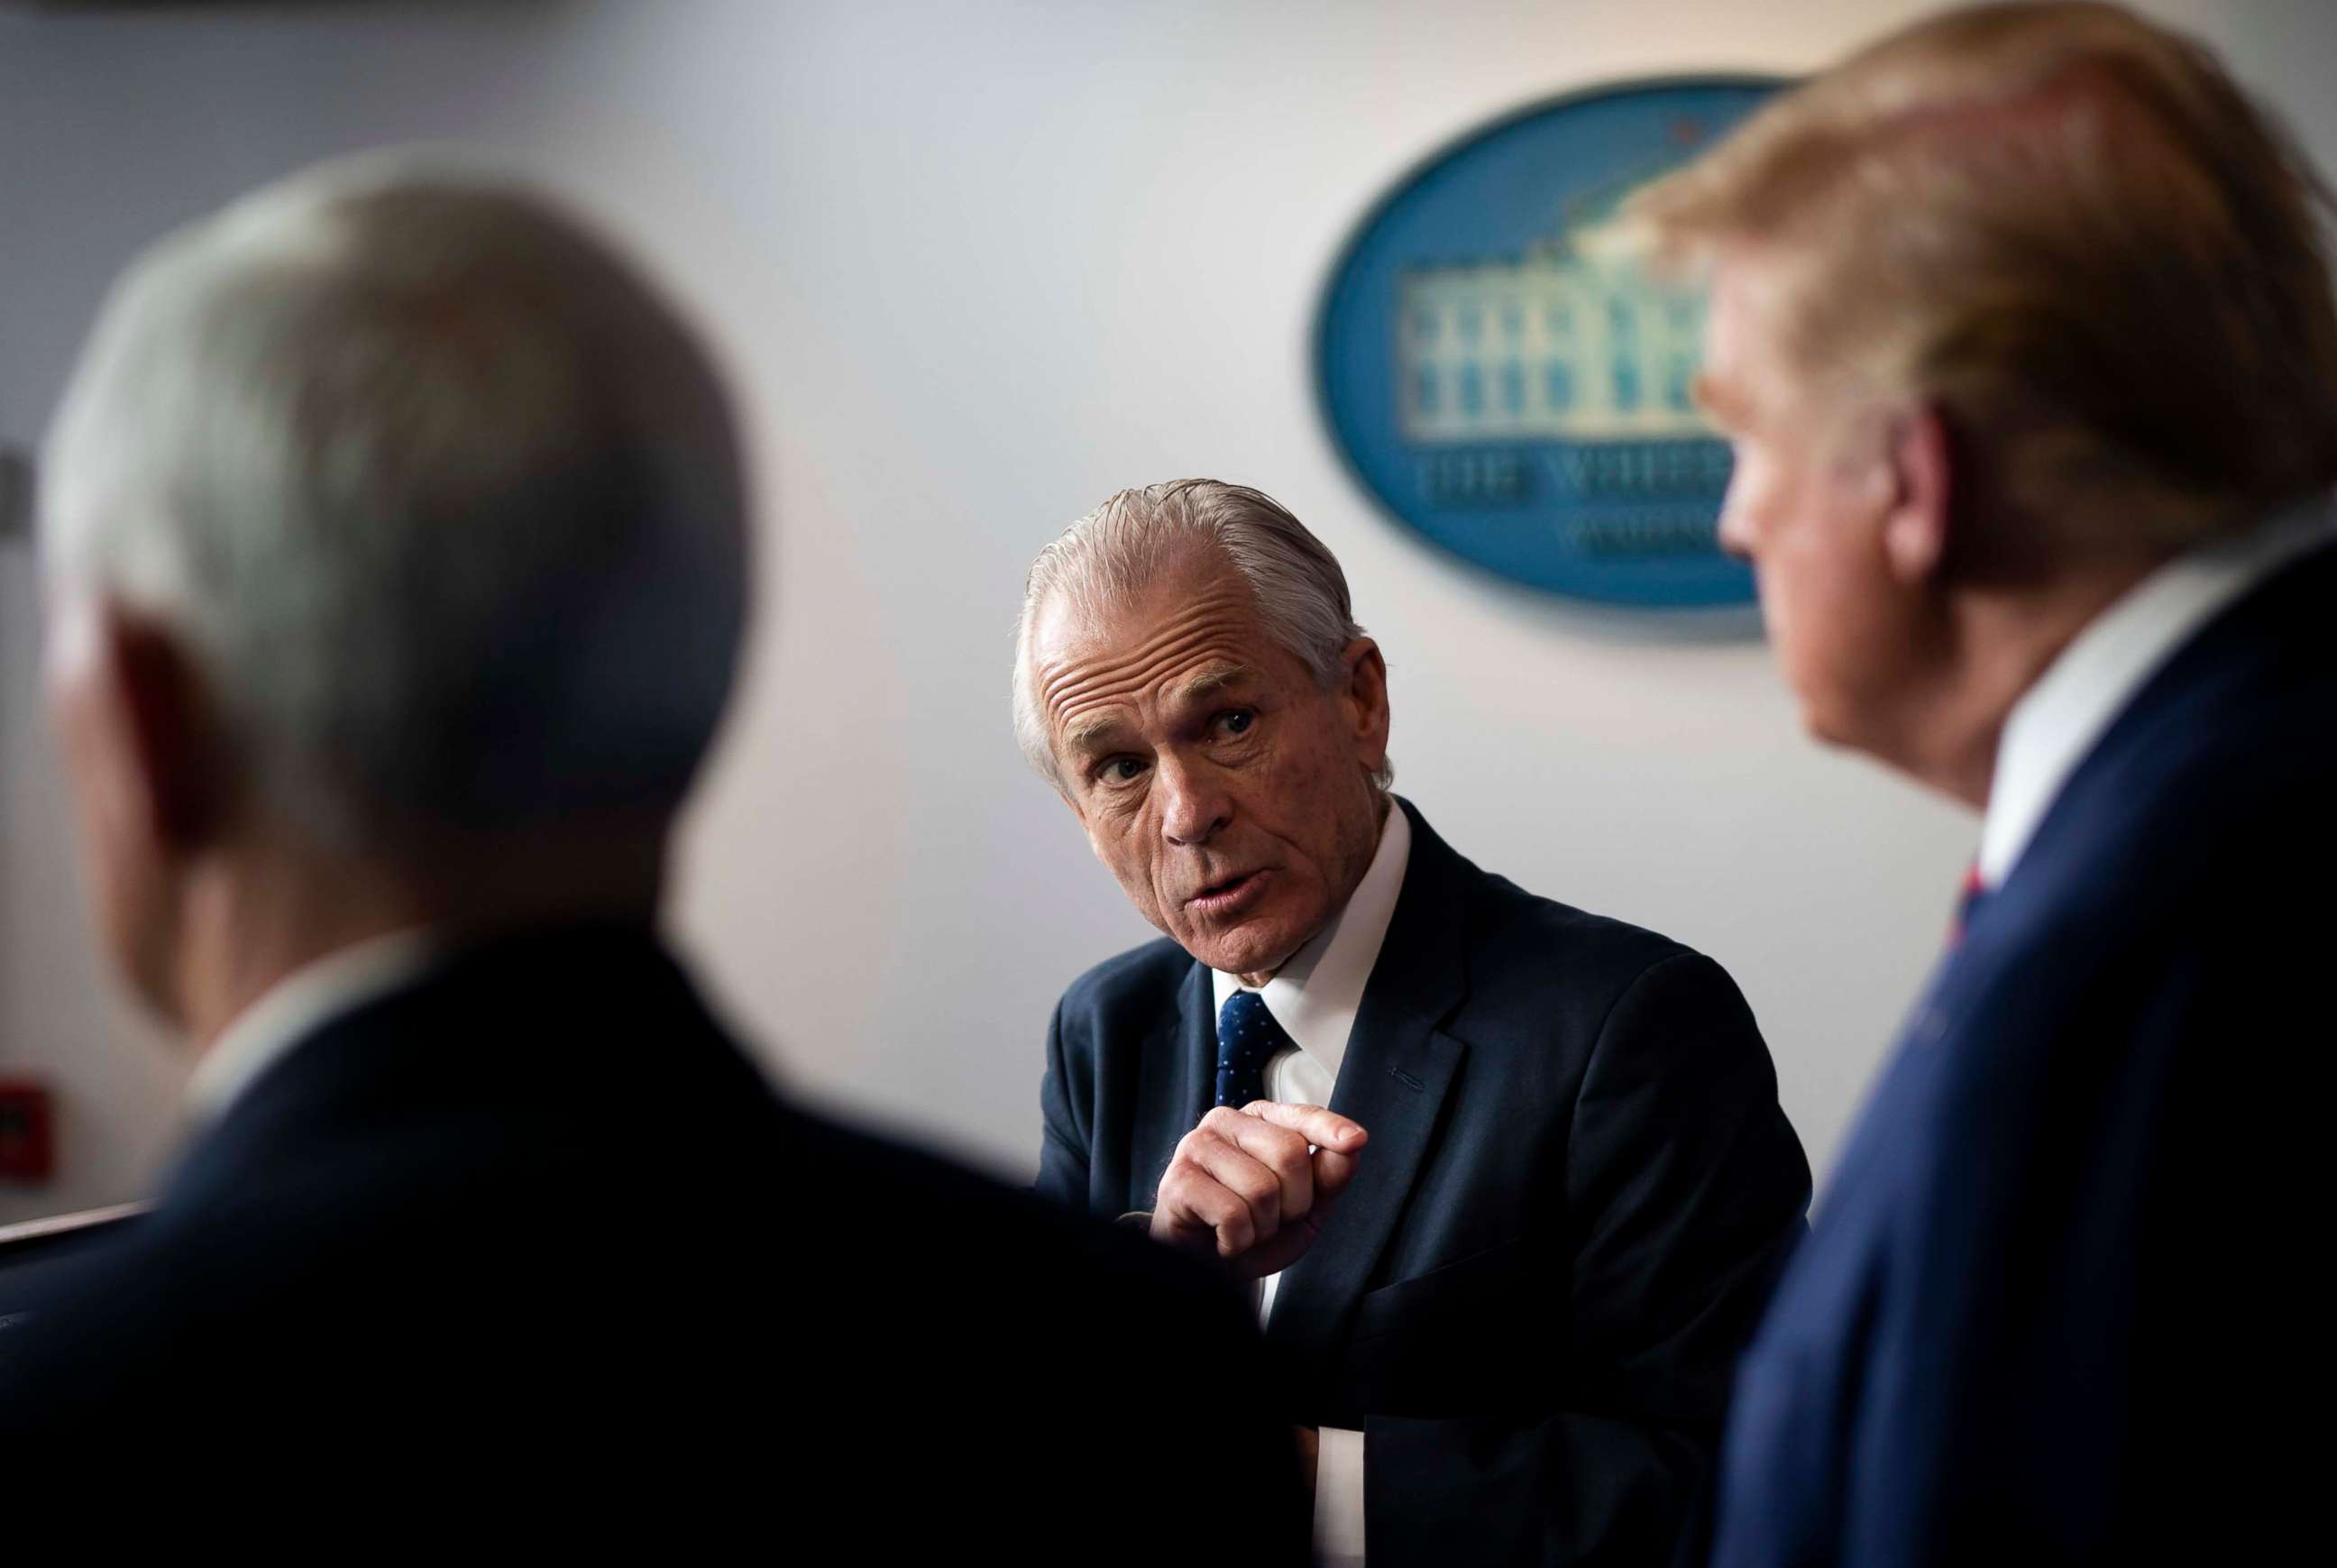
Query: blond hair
x=2070, y=231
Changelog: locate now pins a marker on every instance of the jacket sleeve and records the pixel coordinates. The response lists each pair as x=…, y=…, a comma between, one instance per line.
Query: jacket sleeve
x=1685, y=1190
x=1063, y=1108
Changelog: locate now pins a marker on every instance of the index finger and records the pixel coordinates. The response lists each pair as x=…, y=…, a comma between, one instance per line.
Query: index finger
x=1324, y=1129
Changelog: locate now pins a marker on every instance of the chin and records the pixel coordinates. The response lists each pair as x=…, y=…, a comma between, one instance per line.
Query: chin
x=1237, y=952
x=1818, y=727
x=1232, y=958
x=1822, y=720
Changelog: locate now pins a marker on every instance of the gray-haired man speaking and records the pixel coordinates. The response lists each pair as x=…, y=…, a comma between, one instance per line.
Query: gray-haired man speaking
x=1514, y=1177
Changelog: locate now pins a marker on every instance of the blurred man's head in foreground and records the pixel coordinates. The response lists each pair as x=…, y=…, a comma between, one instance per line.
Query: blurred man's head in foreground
x=2020, y=295
x=395, y=533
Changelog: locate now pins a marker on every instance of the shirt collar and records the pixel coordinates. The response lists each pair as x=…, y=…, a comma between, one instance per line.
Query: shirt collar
x=2060, y=717
x=1315, y=995
x=296, y=1007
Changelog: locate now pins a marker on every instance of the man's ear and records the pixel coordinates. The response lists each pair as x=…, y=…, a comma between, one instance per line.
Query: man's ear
x=1920, y=458
x=168, y=755
x=1365, y=691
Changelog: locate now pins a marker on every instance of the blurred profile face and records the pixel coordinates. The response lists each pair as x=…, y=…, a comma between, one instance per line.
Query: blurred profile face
x=125, y=862
x=1226, y=789
x=1806, y=504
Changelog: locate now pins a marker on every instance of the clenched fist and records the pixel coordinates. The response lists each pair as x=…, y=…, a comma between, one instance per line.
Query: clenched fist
x=1252, y=1187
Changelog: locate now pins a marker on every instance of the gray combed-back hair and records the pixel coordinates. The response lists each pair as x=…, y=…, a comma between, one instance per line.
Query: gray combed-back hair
x=1114, y=553
x=445, y=498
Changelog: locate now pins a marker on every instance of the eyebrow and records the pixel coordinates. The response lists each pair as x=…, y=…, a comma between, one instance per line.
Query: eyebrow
x=1088, y=735
x=1208, y=683
x=1094, y=733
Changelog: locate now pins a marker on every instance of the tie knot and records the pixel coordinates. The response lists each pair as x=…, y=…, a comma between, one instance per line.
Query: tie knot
x=1247, y=1039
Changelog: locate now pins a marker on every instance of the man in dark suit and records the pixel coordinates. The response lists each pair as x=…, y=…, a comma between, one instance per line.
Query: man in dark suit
x=2023, y=330
x=397, y=549
x=1513, y=1177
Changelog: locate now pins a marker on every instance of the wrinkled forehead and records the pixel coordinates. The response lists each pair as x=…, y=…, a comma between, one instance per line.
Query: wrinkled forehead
x=1188, y=630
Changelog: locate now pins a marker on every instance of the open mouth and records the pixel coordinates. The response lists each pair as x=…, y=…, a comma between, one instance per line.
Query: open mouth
x=1233, y=893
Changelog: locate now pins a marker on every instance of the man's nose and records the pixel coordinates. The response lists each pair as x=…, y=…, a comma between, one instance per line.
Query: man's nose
x=1194, y=803
x=1735, y=532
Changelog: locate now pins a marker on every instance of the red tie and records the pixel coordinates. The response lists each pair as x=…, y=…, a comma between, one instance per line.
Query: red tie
x=1968, y=900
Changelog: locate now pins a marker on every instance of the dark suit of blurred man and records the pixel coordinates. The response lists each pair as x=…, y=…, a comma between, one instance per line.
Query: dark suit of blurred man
x=397, y=550
x=1553, y=1185
x=2024, y=334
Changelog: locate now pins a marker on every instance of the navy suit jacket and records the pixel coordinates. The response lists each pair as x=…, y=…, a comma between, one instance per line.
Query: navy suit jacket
x=2065, y=1290
x=531, y=1248
x=1576, y=1193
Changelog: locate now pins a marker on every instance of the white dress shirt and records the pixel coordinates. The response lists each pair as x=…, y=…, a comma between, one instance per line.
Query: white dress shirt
x=1315, y=996
x=296, y=1007
x=2059, y=719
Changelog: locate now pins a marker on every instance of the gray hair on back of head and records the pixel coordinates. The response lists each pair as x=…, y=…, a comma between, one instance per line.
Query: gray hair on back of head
x=1140, y=535
x=445, y=499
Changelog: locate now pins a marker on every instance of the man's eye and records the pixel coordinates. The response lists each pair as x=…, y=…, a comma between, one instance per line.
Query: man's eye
x=1237, y=723
x=1120, y=770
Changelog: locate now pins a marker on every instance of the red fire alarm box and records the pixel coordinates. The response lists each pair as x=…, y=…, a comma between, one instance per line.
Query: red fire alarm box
x=26, y=1151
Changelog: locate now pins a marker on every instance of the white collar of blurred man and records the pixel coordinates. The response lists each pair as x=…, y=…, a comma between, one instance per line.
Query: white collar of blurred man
x=2058, y=720
x=299, y=1005
x=1315, y=995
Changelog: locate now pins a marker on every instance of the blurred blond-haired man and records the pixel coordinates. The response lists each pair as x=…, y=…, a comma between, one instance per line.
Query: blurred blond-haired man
x=2023, y=330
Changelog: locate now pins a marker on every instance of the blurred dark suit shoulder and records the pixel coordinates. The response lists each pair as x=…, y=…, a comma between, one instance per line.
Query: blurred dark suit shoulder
x=539, y=1207
x=2066, y=1291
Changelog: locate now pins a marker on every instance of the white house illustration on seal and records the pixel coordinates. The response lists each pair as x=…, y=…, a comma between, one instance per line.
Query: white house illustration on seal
x=1558, y=344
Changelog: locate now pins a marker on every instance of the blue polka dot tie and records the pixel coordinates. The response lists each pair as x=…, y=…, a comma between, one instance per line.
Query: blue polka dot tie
x=1247, y=1039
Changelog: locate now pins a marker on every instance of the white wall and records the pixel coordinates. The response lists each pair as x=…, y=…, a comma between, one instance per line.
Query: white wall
x=977, y=265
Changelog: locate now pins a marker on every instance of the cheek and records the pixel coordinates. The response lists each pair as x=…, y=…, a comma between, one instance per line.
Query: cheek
x=1284, y=793
x=1326, y=808
x=1121, y=845
x=129, y=896
x=126, y=877
x=97, y=811
x=1828, y=612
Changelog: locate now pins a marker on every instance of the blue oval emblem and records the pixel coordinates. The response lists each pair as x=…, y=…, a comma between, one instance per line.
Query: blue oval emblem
x=1515, y=399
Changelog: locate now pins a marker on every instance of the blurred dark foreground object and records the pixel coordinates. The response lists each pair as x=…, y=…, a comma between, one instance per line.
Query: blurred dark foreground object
x=32, y=1250
x=531, y=1242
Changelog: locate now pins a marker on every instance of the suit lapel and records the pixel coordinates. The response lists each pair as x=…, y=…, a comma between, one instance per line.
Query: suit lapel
x=1180, y=1065
x=1399, y=1065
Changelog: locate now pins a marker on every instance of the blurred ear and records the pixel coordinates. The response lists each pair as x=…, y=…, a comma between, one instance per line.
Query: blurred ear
x=145, y=737
x=1366, y=695
x=1915, y=526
